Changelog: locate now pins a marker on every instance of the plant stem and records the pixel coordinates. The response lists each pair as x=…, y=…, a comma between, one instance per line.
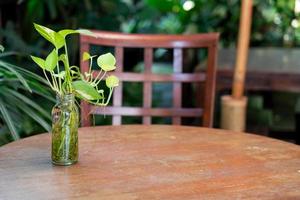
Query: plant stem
x=58, y=71
x=52, y=87
x=109, y=96
x=54, y=81
x=90, y=70
x=107, y=101
x=100, y=78
x=97, y=77
x=68, y=75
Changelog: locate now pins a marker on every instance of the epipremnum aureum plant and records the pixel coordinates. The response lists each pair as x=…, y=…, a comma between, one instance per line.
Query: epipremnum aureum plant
x=64, y=78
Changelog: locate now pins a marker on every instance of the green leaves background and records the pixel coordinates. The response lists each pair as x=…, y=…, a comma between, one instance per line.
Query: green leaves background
x=21, y=92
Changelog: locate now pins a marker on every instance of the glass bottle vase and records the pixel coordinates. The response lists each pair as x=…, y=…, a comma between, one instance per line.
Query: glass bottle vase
x=65, y=119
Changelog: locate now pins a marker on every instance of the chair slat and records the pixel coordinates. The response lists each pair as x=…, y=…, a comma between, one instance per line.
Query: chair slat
x=138, y=77
x=137, y=111
x=210, y=86
x=85, y=116
x=147, y=98
x=152, y=41
x=177, y=87
x=117, y=96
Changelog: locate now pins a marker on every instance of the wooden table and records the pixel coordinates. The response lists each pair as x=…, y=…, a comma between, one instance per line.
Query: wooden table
x=153, y=162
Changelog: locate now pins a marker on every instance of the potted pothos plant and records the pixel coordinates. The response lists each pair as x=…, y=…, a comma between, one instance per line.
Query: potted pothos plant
x=68, y=82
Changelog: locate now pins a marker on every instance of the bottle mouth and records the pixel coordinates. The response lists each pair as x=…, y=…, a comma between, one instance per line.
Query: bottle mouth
x=65, y=97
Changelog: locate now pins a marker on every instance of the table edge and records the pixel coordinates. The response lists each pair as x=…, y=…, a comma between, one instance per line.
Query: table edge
x=223, y=131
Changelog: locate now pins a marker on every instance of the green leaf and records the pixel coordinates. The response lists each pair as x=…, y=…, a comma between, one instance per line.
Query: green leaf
x=106, y=62
x=66, y=32
x=86, y=56
x=51, y=61
x=55, y=38
x=11, y=53
x=86, y=32
x=30, y=103
x=63, y=58
x=28, y=73
x=112, y=81
x=85, y=90
x=61, y=75
x=39, y=89
x=10, y=68
x=8, y=120
x=36, y=117
x=39, y=61
x=1, y=48
x=59, y=41
x=47, y=33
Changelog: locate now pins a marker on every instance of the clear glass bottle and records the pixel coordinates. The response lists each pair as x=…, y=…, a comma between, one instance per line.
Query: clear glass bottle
x=65, y=119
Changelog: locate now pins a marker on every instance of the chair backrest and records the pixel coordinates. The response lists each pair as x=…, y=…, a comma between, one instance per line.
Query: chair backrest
x=149, y=42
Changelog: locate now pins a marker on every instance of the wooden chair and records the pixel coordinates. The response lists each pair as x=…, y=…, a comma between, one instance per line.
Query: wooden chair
x=148, y=42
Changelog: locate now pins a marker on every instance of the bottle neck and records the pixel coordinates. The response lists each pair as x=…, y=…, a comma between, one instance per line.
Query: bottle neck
x=65, y=99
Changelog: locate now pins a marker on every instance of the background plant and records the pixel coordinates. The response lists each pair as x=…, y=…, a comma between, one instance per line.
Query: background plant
x=18, y=87
x=272, y=19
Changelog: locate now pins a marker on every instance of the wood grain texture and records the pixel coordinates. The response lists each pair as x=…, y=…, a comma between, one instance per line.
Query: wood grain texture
x=242, y=49
x=135, y=111
x=210, y=84
x=149, y=42
x=138, y=77
x=153, y=162
x=147, y=90
x=261, y=80
x=84, y=65
x=177, y=86
x=118, y=96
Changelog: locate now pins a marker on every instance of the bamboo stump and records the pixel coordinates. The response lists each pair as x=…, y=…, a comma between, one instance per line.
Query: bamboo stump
x=233, y=113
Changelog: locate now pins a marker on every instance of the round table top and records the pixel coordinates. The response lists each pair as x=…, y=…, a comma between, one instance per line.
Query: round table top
x=153, y=162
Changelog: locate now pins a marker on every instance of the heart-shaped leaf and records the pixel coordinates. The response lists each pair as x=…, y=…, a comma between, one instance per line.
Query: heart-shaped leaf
x=47, y=33
x=85, y=90
x=86, y=56
x=39, y=61
x=106, y=62
x=51, y=61
x=55, y=38
x=59, y=40
x=112, y=81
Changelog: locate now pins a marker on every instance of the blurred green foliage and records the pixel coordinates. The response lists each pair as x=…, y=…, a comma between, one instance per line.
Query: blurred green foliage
x=22, y=91
x=272, y=19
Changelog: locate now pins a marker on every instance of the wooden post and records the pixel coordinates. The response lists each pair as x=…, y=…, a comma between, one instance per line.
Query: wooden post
x=234, y=107
x=242, y=50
